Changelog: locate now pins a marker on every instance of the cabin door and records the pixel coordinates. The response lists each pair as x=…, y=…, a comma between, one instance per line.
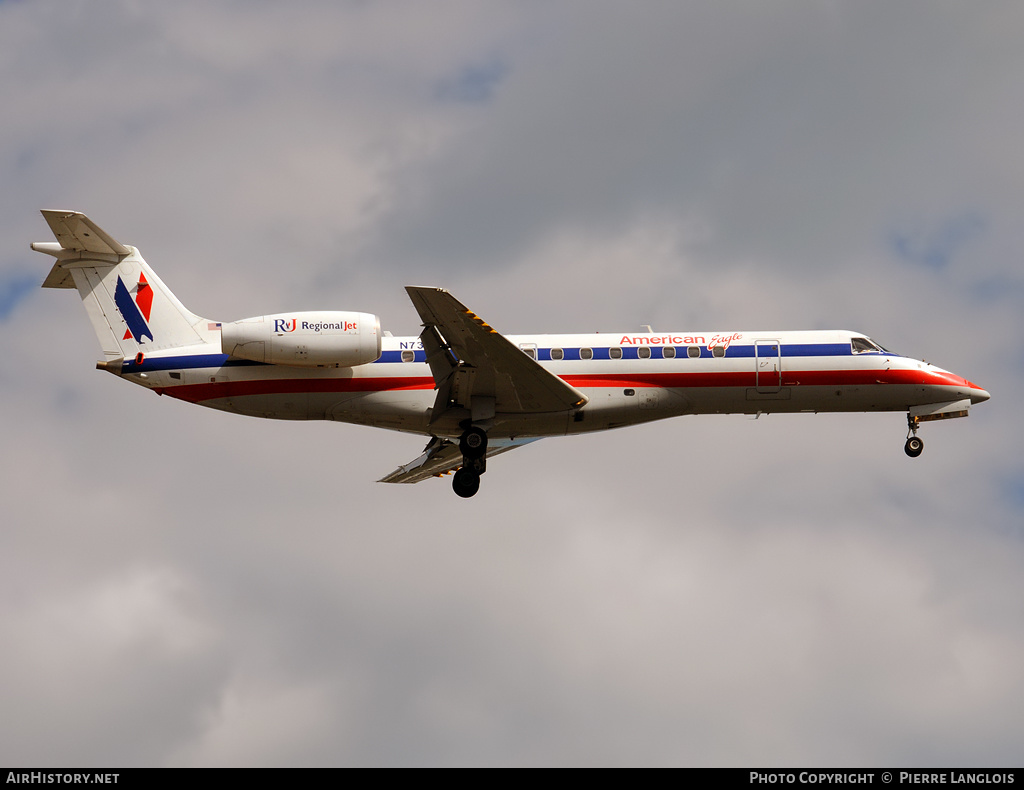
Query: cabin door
x=768, y=366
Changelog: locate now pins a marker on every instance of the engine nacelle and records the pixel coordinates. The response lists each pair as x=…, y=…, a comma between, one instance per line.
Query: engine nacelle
x=306, y=340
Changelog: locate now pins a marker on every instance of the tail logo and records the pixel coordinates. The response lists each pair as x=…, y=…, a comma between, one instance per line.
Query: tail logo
x=135, y=311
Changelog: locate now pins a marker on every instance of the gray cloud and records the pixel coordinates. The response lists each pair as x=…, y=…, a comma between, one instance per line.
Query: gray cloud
x=183, y=587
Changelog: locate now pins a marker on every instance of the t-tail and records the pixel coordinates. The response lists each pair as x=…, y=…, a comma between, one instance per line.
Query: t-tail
x=132, y=312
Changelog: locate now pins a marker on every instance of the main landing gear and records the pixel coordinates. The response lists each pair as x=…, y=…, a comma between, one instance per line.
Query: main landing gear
x=465, y=482
x=473, y=444
x=914, y=446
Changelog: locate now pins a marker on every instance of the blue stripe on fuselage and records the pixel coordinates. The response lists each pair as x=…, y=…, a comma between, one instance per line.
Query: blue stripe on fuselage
x=190, y=361
x=657, y=352
x=185, y=362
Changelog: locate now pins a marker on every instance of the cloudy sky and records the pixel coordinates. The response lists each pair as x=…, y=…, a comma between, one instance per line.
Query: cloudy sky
x=181, y=587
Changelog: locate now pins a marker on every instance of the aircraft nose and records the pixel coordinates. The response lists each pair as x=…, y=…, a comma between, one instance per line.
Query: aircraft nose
x=977, y=394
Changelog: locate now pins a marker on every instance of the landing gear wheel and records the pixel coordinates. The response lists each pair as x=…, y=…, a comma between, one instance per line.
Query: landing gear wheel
x=465, y=483
x=914, y=447
x=473, y=443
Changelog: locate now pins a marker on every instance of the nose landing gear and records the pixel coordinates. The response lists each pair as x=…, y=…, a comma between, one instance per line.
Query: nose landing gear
x=473, y=444
x=914, y=446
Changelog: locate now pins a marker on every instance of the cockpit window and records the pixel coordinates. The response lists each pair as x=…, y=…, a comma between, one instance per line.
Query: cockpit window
x=861, y=345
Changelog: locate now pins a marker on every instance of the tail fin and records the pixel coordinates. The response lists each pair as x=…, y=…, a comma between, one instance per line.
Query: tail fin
x=130, y=308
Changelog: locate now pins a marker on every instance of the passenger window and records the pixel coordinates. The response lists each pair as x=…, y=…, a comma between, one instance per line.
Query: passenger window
x=408, y=356
x=586, y=353
x=693, y=351
x=629, y=393
x=615, y=353
x=644, y=352
x=718, y=351
x=556, y=353
x=530, y=351
x=669, y=352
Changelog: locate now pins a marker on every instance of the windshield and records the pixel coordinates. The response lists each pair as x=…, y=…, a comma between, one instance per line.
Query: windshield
x=862, y=345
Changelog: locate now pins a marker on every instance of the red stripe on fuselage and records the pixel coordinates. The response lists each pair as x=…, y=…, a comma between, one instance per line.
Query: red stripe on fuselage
x=790, y=378
x=196, y=393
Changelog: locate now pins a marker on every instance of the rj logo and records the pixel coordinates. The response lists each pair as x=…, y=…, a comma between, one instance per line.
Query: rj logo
x=284, y=325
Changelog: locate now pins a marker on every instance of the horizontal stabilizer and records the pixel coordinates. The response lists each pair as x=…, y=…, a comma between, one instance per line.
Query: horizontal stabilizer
x=77, y=232
x=59, y=277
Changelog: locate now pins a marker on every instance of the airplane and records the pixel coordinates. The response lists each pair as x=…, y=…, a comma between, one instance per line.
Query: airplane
x=475, y=392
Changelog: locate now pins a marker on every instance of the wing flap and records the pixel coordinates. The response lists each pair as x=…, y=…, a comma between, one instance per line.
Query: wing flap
x=442, y=456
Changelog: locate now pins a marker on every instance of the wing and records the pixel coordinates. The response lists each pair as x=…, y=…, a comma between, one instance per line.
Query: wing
x=468, y=358
x=442, y=456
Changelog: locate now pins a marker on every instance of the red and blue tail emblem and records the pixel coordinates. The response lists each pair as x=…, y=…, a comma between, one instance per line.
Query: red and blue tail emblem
x=135, y=312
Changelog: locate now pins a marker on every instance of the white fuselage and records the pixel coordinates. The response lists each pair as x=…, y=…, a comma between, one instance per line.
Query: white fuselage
x=629, y=378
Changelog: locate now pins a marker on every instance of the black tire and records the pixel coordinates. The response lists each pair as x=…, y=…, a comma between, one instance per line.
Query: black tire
x=465, y=483
x=914, y=447
x=473, y=443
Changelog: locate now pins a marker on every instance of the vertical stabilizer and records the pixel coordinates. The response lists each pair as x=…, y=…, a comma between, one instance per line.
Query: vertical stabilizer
x=130, y=308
